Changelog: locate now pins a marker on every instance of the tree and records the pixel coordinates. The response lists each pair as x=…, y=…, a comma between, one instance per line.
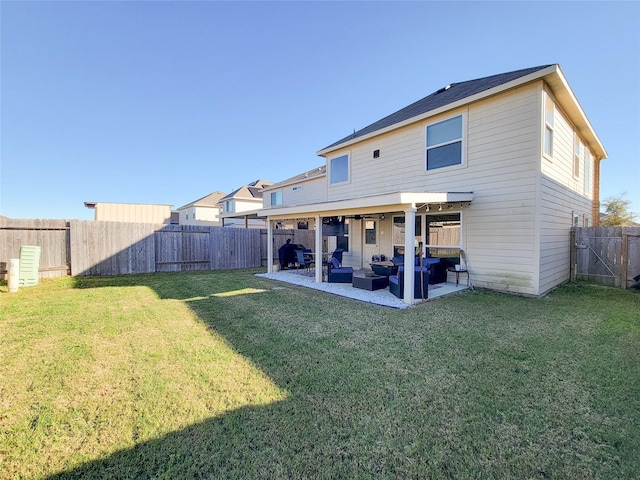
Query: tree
x=616, y=212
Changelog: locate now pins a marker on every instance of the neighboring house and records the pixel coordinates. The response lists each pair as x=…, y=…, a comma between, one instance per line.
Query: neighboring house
x=130, y=212
x=308, y=187
x=240, y=207
x=204, y=211
x=498, y=167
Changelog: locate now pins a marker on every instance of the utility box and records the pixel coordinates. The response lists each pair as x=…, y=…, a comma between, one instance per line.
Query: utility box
x=29, y=265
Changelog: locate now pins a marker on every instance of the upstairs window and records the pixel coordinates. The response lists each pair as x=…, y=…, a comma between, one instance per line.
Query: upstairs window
x=228, y=206
x=444, y=143
x=576, y=155
x=339, y=168
x=276, y=198
x=549, y=111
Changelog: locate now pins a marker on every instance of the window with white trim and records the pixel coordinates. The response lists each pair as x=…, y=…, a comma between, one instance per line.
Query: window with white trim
x=576, y=155
x=444, y=143
x=228, y=206
x=276, y=198
x=339, y=169
x=549, y=112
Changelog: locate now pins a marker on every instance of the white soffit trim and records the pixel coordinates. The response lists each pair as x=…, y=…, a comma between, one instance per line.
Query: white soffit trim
x=379, y=203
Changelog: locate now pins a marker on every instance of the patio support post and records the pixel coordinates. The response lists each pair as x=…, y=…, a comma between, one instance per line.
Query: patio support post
x=409, y=240
x=269, y=245
x=318, y=249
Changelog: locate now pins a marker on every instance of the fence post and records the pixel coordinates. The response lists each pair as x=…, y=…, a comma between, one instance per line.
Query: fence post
x=572, y=255
x=623, y=261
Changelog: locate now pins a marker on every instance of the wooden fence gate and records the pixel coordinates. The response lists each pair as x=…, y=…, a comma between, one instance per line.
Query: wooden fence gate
x=606, y=255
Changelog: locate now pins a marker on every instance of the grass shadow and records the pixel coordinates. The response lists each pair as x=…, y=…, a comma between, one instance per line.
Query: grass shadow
x=486, y=384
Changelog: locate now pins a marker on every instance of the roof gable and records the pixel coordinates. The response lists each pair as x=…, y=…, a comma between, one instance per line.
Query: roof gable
x=313, y=174
x=447, y=95
x=252, y=191
x=210, y=200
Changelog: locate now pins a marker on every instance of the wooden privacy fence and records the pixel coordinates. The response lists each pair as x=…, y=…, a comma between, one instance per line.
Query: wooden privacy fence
x=51, y=235
x=606, y=255
x=84, y=248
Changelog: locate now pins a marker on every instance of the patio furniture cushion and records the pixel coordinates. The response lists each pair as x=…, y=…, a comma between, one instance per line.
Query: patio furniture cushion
x=339, y=275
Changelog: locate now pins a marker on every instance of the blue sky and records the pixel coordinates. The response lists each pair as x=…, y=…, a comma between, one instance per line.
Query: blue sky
x=166, y=102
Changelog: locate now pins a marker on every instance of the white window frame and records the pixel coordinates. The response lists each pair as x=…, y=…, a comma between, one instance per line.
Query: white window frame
x=278, y=196
x=577, y=150
x=330, y=165
x=462, y=140
x=549, y=121
x=228, y=206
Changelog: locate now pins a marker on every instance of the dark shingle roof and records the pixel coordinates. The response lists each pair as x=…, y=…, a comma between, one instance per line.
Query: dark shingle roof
x=450, y=94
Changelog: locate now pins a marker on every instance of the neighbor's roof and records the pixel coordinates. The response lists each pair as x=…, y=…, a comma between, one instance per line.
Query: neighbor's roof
x=252, y=191
x=210, y=200
x=457, y=94
x=317, y=172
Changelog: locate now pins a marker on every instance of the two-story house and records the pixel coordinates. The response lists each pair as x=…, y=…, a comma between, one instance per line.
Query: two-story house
x=498, y=168
x=240, y=207
x=203, y=211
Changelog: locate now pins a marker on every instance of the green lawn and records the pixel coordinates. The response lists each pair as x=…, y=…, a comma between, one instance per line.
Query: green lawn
x=228, y=375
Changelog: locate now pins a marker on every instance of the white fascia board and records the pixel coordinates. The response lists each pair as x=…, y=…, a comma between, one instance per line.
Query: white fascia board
x=373, y=204
x=568, y=101
x=450, y=106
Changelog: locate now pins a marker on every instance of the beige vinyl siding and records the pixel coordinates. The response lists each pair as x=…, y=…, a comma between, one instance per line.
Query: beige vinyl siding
x=562, y=196
x=313, y=191
x=132, y=213
x=246, y=205
x=500, y=167
x=204, y=215
x=560, y=167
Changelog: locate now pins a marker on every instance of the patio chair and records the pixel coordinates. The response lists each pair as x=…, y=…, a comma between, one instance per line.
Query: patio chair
x=337, y=254
x=420, y=286
x=302, y=260
x=338, y=274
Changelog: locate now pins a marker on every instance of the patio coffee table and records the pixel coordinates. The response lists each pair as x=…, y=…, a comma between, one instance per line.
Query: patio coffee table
x=371, y=282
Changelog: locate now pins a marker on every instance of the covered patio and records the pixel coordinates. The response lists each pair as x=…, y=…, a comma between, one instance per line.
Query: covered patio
x=377, y=297
x=402, y=204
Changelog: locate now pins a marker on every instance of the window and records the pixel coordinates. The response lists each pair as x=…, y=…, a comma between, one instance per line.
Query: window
x=587, y=171
x=576, y=155
x=444, y=143
x=339, y=168
x=370, y=232
x=342, y=241
x=398, y=235
x=443, y=235
x=276, y=198
x=549, y=108
x=228, y=206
